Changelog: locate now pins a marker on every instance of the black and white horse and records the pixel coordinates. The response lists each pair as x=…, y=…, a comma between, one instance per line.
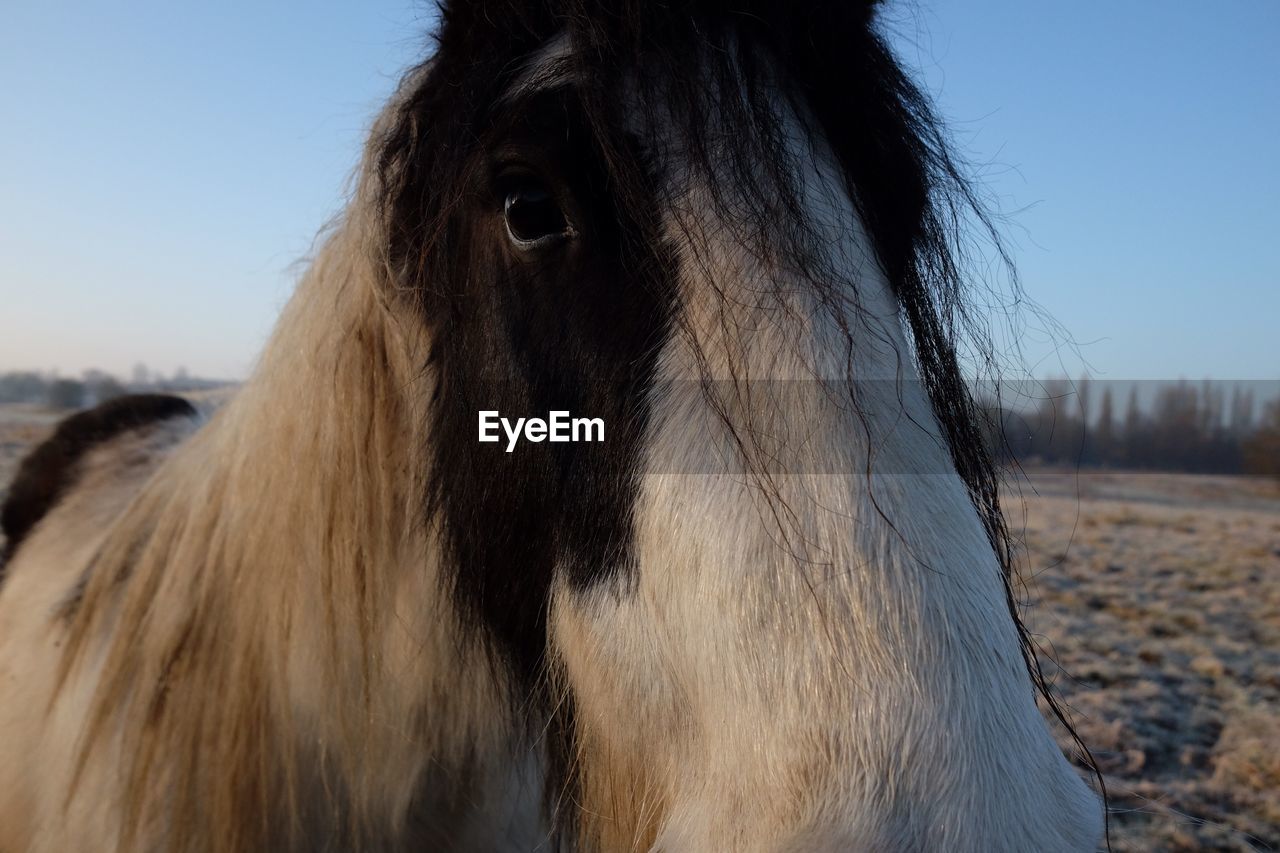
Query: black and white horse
x=770, y=611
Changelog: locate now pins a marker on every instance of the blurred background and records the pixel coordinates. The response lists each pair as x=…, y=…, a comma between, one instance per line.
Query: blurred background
x=165, y=169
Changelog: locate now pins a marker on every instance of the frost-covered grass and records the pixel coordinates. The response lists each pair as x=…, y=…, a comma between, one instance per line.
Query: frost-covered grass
x=1159, y=595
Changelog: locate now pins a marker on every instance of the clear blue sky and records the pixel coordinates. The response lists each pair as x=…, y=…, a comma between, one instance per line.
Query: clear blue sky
x=163, y=166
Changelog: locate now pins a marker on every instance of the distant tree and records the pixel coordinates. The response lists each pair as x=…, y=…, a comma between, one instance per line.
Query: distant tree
x=1261, y=450
x=66, y=394
x=1241, y=411
x=1104, y=438
x=1061, y=425
x=1209, y=410
x=1134, y=429
x=95, y=381
x=106, y=388
x=23, y=387
x=1175, y=425
x=1083, y=412
x=1084, y=396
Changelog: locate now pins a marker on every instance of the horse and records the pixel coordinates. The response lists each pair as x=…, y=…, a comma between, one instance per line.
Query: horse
x=772, y=609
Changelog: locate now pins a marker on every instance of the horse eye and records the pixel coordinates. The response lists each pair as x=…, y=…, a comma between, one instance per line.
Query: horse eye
x=533, y=217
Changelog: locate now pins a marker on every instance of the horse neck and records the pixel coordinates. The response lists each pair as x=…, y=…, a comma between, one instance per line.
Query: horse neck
x=280, y=562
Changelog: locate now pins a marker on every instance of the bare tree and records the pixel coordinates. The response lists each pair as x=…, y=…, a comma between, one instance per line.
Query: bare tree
x=66, y=394
x=1261, y=450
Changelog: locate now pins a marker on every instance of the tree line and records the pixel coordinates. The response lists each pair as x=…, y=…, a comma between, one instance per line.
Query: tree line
x=93, y=386
x=1205, y=428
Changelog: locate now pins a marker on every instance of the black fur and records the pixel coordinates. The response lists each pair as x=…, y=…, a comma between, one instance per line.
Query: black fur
x=575, y=330
x=49, y=471
x=579, y=331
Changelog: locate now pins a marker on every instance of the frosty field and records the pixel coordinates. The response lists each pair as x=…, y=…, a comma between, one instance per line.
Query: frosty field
x=1159, y=595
